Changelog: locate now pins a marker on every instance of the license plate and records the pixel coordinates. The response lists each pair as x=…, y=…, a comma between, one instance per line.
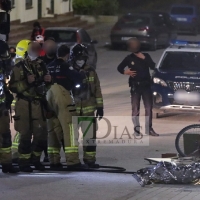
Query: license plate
x=126, y=38
x=182, y=19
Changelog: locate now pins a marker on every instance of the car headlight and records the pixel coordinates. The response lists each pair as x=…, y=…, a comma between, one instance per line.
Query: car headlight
x=160, y=82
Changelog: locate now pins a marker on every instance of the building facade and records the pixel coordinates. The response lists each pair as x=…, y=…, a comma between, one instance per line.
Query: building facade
x=29, y=10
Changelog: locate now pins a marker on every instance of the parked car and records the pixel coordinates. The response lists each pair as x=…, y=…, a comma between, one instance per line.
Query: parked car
x=153, y=29
x=72, y=36
x=176, y=80
x=187, y=17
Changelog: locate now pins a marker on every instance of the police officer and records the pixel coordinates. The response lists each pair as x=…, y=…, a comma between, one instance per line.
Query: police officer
x=87, y=104
x=138, y=64
x=5, y=102
x=61, y=102
x=30, y=81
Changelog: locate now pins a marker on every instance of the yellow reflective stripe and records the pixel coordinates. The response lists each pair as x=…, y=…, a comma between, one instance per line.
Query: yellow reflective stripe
x=5, y=150
x=37, y=153
x=2, y=100
x=91, y=79
x=52, y=150
x=16, y=138
x=91, y=153
x=71, y=150
x=72, y=140
x=13, y=102
x=15, y=144
x=24, y=156
x=99, y=100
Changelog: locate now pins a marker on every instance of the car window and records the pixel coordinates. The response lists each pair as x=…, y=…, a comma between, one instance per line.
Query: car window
x=134, y=20
x=168, y=20
x=85, y=37
x=61, y=35
x=181, y=61
x=182, y=11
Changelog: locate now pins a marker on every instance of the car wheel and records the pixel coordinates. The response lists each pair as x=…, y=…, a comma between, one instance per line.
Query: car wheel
x=154, y=45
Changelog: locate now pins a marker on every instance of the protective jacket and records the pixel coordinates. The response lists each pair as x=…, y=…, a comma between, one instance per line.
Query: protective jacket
x=95, y=99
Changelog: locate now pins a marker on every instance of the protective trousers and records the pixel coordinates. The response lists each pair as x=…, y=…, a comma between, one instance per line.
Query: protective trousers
x=88, y=126
x=5, y=137
x=29, y=125
x=61, y=102
x=15, y=144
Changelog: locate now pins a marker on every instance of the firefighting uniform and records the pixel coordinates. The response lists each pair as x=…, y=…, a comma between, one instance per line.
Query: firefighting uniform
x=61, y=102
x=29, y=111
x=15, y=142
x=5, y=133
x=87, y=108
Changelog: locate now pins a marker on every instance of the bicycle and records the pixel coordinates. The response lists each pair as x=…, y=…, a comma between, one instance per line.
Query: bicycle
x=188, y=141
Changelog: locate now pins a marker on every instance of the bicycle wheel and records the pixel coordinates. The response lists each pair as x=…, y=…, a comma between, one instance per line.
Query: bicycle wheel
x=188, y=141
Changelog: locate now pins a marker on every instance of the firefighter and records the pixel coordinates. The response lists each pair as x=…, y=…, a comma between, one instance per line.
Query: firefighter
x=93, y=100
x=21, y=53
x=61, y=102
x=5, y=103
x=30, y=80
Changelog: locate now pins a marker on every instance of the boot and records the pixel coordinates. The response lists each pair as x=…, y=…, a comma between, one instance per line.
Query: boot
x=38, y=166
x=56, y=167
x=8, y=168
x=93, y=165
x=25, y=168
x=15, y=160
x=46, y=159
x=153, y=133
x=78, y=166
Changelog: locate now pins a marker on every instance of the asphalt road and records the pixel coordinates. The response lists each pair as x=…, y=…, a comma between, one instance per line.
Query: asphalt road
x=103, y=186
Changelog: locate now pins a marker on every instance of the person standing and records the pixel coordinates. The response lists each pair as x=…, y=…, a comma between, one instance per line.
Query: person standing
x=37, y=30
x=30, y=80
x=88, y=100
x=60, y=101
x=40, y=40
x=138, y=65
x=50, y=49
x=12, y=51
x=5, y=103
x=21, y=53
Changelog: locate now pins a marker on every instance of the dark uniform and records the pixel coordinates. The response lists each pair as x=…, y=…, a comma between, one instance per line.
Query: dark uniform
x=61, y=102
x=5, y=104
x=29, y=111
x=47, y=60
x=140, y=85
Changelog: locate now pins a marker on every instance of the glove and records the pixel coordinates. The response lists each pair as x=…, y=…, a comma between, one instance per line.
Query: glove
x=100, y=113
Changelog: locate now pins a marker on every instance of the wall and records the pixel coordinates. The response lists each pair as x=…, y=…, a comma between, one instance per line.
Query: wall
x=30, y=14
x=19, y=11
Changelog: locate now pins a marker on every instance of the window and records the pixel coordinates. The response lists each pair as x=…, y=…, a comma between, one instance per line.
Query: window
x=29, y=4
x=185, y=61
x=61, y=35
x=135, y=20
x=12, y=3
x=85, y=37
x=182, y=11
